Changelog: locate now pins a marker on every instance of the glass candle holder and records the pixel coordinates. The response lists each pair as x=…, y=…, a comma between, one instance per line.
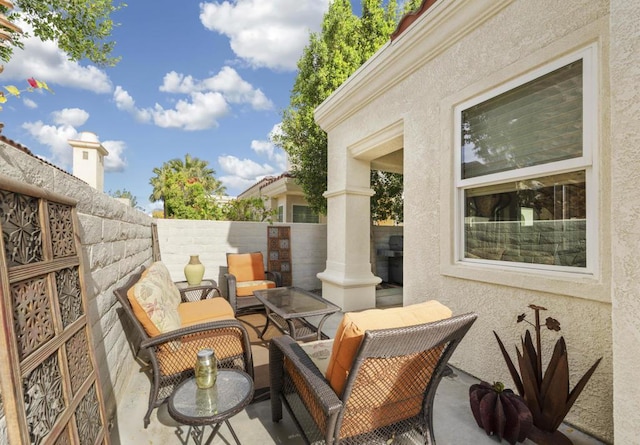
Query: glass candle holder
x=206, y=369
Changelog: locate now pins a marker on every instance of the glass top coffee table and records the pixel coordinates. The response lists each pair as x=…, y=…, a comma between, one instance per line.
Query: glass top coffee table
x=197, y=408
x=288, y=307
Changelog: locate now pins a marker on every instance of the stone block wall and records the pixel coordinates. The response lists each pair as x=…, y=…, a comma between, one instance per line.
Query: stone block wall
x=115, y=239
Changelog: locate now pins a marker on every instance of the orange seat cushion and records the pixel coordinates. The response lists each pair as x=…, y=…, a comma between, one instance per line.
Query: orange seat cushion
x=203, y=311
x=351, y=330
x=246, y=288
x=246, y=266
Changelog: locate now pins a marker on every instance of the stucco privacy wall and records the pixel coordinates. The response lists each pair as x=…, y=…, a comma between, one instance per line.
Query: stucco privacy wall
x=211, y=240
x=465, y=48
x=116, y=240
x=625, y=216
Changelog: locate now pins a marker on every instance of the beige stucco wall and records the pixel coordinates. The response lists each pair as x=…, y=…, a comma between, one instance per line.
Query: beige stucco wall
x=625, y=215
x=497, y=42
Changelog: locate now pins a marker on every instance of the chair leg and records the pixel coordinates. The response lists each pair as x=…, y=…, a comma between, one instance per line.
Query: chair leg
x=275, y=376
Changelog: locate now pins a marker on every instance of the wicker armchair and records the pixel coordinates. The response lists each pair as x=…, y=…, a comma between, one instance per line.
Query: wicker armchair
x=170, y=356
x=389, y=391
x=246, y=273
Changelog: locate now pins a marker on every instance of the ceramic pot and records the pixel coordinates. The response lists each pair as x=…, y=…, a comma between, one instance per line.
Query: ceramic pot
x=194, y=271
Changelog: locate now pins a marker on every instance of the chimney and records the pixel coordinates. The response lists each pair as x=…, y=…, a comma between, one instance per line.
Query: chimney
x=88, y=159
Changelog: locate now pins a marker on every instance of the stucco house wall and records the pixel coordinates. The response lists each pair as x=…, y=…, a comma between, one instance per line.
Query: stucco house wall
x=408, y=91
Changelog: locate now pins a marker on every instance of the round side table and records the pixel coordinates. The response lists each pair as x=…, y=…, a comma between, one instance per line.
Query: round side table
x=198, y=408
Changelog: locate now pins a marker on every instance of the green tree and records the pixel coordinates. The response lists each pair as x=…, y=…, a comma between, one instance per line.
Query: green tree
x=331, y=56
x=177, y=179
x=247, y=209
x=186, y=197
x=126, y=194
x=81, y=27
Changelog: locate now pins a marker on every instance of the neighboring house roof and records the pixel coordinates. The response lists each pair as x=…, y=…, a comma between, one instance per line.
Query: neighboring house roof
x=256, y=189
x=411, y=17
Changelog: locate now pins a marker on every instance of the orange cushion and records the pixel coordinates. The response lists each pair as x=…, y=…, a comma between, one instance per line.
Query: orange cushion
x=246, y=266
x=353, y=325
x=203, y=311
x=246, y=288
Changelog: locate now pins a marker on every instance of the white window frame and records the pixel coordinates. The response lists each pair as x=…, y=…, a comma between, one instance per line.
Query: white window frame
x=586, y=162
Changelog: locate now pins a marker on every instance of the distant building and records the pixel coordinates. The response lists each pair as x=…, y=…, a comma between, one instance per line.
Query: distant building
x=285, y=195
x=88, y=159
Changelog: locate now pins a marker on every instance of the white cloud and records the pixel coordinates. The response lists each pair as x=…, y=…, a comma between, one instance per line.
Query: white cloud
x=270, y=150
x=29, y=103
x=202, y=112
x=240, y=174
x=244, y=168
x=268, y=34
x=56, y=137
x=115, y=162
x=46, y=62
x=74, y=117
x=227, y=82
x=125, y=102
x=207, y=100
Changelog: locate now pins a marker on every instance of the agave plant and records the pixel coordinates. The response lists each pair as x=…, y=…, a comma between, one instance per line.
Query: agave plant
x=547, y=395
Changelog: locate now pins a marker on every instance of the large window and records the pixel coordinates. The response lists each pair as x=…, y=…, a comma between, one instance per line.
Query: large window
x=525, y=168
x=303, y=214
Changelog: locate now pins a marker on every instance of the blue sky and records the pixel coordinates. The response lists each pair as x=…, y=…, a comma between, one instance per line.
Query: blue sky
x=206, y=78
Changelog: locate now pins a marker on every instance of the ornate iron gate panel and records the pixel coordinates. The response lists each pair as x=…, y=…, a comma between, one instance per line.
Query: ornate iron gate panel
x=279, y=252
x=49, y=387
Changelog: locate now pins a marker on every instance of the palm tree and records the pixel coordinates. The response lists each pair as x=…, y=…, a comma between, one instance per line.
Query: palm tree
x=192, y=168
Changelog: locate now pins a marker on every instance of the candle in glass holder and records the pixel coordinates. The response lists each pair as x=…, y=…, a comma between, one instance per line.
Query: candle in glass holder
x=206, y=369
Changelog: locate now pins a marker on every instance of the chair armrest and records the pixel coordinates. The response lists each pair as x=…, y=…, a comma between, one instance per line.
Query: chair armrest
x=313, y=380
x=276, y=277
x=204, y=331
x=200, y=292
x=231, y=289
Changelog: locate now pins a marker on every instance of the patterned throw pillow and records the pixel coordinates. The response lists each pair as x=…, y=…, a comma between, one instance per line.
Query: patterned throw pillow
x=152, y=302
x=159, y=273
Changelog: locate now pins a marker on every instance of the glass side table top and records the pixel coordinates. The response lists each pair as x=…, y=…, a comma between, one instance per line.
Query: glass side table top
x=231, y=393
x=291, y=302
x=205, y=282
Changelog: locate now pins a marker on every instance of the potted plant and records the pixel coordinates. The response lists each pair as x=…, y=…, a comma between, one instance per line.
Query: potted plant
x=500, y=411
x=547, y=395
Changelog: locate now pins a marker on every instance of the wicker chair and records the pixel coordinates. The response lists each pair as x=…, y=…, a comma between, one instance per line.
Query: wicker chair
x=246, y=273
x=171, y=356
x=389, y=391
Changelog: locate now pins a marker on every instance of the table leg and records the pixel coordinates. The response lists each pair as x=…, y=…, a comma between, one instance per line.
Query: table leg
x=216, y=428
x=266, y=325
x=322, y=320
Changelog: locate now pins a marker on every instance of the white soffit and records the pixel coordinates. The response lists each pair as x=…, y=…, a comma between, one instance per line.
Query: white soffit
x=438, y=28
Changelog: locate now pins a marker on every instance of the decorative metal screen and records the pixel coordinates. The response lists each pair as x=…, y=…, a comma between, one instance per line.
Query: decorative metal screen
x=279, y=250
x=49, y=385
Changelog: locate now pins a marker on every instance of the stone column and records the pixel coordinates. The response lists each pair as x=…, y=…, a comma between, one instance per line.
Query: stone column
x=347, y=280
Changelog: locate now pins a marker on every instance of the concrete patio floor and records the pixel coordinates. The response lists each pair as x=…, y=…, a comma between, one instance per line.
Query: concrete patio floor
x=452, y=417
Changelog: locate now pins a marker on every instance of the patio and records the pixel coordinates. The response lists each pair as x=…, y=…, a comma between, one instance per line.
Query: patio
x=453, y=421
